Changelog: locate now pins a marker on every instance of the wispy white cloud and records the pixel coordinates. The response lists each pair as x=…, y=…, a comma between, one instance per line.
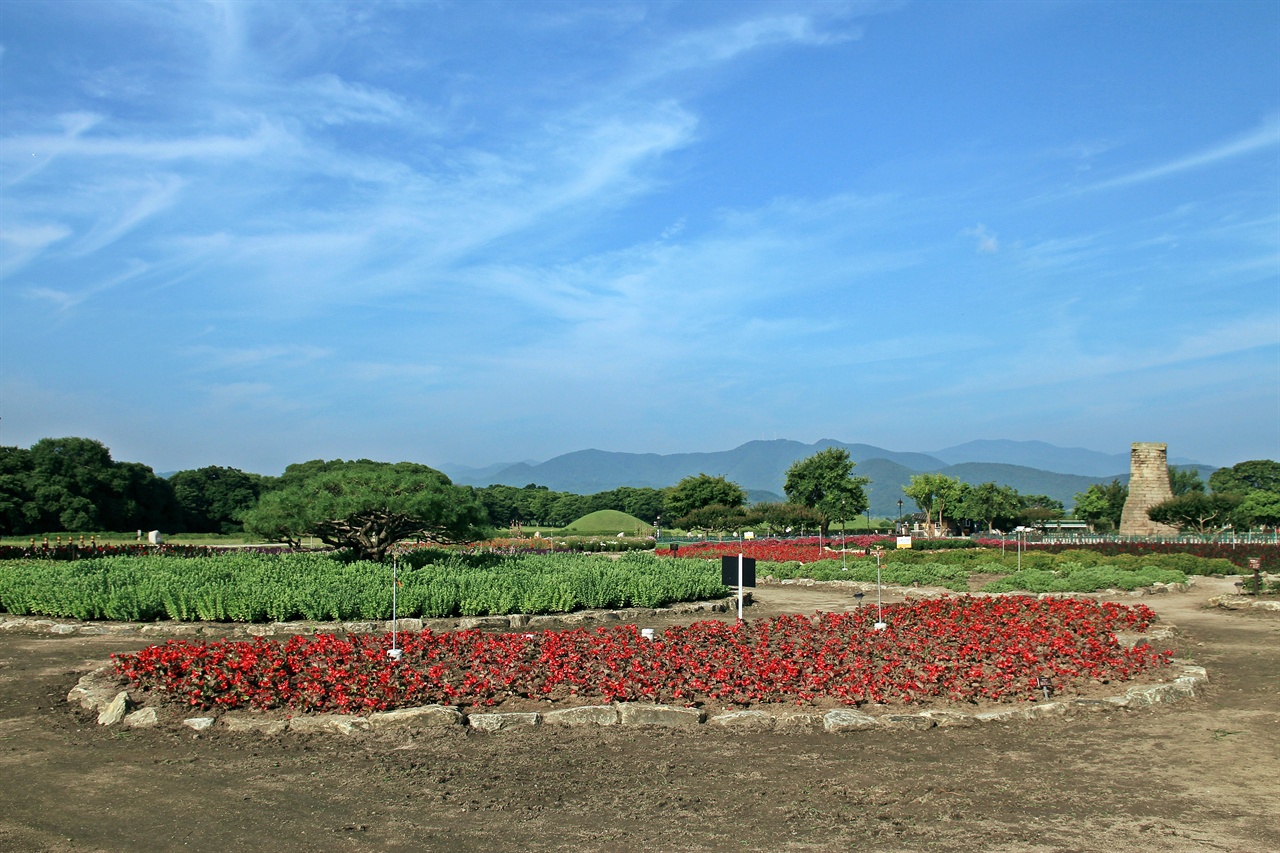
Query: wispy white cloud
x=289, y=355
x=986, y=240
x=68, y=298
x=20, y=243
x=153, y=196
x=1265, y=136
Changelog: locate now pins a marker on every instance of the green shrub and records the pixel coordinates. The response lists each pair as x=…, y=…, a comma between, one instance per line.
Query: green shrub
x=251, y=587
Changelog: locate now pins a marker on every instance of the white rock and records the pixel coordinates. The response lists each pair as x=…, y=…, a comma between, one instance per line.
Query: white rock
x=115, y=710
x=848, y=720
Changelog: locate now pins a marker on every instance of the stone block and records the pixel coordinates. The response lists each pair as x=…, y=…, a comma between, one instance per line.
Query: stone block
x=143, y=718
x=341, y=723
x=1004, y=715
x=746, y=721
x=469, y=622
x=501, y=721
x=848, y=720
x=1042, y=710
x=666, y=716
x=115, y=710
x=1093, y=704
x=587, y=715
x=198, y=723
x=797, y=720
x=95, y=690
x=256, y=723
x=913, y=722
x=422, y=716
x=949, y=719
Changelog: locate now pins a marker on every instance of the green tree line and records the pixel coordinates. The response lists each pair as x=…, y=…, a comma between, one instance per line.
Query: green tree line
x=73, y=485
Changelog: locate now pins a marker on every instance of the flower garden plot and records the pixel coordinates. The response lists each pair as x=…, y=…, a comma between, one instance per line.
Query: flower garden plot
x=950, y=650
x=806, y=550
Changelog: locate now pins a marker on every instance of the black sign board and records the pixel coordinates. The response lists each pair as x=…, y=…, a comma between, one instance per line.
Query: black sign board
x=729, y=571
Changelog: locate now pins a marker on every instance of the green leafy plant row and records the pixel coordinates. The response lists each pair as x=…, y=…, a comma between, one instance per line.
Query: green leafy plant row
x=1077, y=577
x=271, y=587
x=1069, y=571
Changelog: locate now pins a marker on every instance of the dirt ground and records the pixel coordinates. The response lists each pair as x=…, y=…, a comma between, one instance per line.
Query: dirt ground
x=1199, y=775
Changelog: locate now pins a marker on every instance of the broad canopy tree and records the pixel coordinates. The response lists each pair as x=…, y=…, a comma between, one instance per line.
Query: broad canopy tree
x=73, y=484
x=713, y=519
x=1197, y=511
x=702, y=490
x=934, y=494
x=368, y=507
x=1102, y=505
x=1257, y=475
x=783, y=517
x=824, y=482
x=989, y=503
x=213, y=498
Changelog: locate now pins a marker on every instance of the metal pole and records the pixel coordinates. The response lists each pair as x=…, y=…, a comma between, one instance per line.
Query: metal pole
x=394, y=651
x=880, y=623
x=739, y=585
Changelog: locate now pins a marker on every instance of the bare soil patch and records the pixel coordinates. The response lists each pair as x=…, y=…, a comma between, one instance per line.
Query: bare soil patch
x=1198, y=775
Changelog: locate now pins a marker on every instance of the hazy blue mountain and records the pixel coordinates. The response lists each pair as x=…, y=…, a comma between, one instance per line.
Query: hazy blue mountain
x=1047, y=457
x=760, y=468
x=1028, y=481
x=885, y=489
x=468, y=476
x=1038, y=454
x=754, y=465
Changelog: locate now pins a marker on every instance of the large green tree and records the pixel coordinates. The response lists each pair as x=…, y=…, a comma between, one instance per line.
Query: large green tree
x=213, y=498
x=934, y=494
x=701, y=490
x=1102, y=505
x=368, y=507
x=824, y=482
x=989, y=502
x=715, y=518
x=1196, y=511
x=73, y=484
x=1039, y=508
x=1257, y=475
x=1183, y=480
x=1258, y=509
x=778, y=518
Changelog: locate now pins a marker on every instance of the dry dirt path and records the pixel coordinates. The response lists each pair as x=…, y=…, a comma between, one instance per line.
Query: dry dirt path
x=1198, y=776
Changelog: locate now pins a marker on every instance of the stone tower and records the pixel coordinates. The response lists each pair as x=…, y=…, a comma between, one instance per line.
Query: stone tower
x=1148, y=486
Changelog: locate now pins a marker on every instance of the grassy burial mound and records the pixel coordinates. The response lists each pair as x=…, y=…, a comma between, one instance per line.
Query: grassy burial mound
x=608, y=522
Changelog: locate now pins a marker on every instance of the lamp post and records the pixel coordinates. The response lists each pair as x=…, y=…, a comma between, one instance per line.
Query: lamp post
x=899, y=515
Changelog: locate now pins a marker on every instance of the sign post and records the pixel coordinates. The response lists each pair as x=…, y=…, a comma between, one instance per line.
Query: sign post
x=738, y=570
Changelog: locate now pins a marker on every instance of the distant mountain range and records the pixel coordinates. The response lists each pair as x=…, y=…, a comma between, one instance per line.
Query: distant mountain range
x=1031, y=467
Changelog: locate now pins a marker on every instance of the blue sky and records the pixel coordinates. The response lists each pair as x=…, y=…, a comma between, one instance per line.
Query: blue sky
x=253, y=234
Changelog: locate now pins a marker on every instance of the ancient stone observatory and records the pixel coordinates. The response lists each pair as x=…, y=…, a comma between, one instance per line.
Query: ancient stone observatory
x=1148, y=486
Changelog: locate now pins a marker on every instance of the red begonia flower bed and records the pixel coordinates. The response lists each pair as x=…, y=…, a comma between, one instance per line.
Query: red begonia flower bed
x=949, y=649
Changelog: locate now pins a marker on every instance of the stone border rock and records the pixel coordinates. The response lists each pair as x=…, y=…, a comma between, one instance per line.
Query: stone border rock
x=1242, y=602
x=100, y=691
